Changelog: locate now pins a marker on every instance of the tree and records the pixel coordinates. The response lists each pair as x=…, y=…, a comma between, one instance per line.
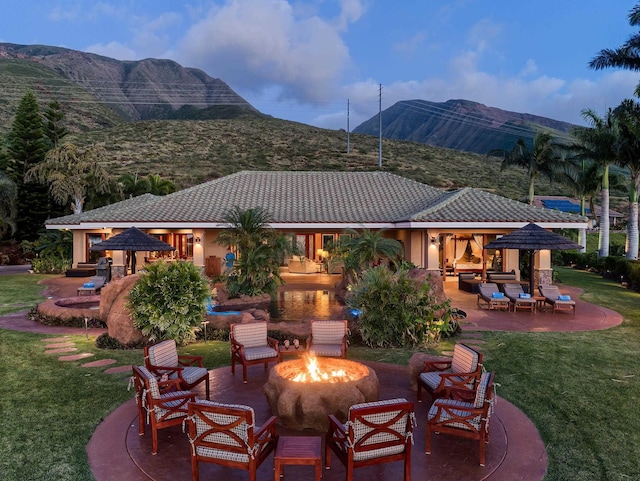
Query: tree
x=133, y=186
x=69, y=172
x=160, y=186
x=627, y=56
x=260, y=251
x=543, y=159
x=628, y=149
x=26, y=147
x=54, y=130
x=8, y=197
x=598, y=143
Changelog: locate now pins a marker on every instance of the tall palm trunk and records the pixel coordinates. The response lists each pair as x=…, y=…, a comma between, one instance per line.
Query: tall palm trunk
x=603, y=238
x=632, y=228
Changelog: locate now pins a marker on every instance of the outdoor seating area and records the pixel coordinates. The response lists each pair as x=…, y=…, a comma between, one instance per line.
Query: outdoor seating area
x=328, y=338
x=490, y=294
x=557, y=300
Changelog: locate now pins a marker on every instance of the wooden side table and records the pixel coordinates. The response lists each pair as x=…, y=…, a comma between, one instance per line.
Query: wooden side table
x=298, y=450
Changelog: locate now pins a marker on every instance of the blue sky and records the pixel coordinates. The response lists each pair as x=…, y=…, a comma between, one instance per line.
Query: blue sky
x=302, y=60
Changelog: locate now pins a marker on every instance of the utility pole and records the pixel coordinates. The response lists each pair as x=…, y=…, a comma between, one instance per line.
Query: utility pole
x=380, y=127
x=348, y=131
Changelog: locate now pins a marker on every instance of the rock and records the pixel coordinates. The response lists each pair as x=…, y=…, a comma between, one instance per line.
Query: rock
x=416, y=366
x=115, y=314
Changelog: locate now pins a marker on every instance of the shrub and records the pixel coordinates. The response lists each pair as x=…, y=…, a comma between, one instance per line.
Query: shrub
x=168, y=301
x=398, y=310
x=104, y=341
x=50, y=264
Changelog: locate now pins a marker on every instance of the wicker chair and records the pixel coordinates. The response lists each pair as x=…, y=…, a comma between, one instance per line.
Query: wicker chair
x=160, y=403
x=554, y=297
x=463, y=371
x=162, y=358
x=224, y=434
x=465, y=419
x=375, y=433
x=251, y=345
x=328, y=338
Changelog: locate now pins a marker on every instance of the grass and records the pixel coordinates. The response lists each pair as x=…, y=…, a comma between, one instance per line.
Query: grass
x=20, y=291
x=580, y=390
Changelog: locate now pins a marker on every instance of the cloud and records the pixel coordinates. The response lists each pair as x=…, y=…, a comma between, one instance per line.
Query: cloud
x=114, y=50
x=258, y=44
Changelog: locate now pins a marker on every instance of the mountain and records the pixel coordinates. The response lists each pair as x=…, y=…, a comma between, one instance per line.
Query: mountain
x=109, y=91
x=459, y=124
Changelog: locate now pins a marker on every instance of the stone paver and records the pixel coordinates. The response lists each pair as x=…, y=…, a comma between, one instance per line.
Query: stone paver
x=55, y=339
x=118, y=370
x=75, y=357
x=59, y=345
x=99, y=363
x=61, y=350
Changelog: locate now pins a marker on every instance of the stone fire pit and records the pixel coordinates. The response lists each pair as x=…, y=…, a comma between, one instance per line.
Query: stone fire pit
x=306, y=404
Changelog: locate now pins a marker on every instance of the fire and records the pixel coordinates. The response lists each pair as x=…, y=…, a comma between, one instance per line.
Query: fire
x=327, y=370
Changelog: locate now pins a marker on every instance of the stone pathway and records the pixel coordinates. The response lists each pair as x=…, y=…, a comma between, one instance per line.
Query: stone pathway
x=64, y=344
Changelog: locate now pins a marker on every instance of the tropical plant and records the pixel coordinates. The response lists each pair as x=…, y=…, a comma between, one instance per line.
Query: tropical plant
x=70, y=172
x=133, y=186
x=398, y=311
x=364, y=249
x=542, y=159
x=168, y=301
x=628, y=149
x=159, y=185
x=260, y=252
x=51, y=253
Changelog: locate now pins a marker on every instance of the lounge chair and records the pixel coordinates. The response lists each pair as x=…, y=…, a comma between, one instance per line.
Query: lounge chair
x=92, y=286
x=251, y=345
x=489, y=293
x=328, y=338
x=518, y=298
x=557, y=300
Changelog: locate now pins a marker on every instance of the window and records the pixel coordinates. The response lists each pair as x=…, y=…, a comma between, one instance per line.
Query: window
x=93, y=239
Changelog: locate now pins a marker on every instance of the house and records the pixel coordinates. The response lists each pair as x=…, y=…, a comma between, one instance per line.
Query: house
x=438, y=229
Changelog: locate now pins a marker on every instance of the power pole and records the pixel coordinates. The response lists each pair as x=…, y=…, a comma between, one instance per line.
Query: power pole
x=380, y=127
x=348, y=131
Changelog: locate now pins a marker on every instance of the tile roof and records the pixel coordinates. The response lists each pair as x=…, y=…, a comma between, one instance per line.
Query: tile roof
x=317, y=197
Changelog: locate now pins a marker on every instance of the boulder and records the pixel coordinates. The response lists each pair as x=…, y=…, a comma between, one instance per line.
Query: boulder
x=114, y=312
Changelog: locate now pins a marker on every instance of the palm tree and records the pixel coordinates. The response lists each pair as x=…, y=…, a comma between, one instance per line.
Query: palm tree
x=132, y=186
x=8, y=197
x=160, y=186
x=627, y=56
x=365, y=249
x=542, y=159
x=260, y=251
x=628, y=115
x=598, y=143
x=70, y=172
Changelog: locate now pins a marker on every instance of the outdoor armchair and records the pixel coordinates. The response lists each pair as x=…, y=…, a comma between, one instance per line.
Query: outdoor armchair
x=328, y=338
x=251, y=345
x=226, y=434
x=557, y=300
x=162, y=358
x=465, y=419
x=375, y=433
x=160, y=403
x=491, y=295
x=518, y=298
x=463, y=371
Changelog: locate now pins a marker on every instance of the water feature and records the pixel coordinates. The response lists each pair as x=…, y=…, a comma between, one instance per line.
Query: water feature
x=306, y=304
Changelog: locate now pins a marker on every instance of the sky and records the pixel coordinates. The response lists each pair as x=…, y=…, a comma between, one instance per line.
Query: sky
x=322, y=62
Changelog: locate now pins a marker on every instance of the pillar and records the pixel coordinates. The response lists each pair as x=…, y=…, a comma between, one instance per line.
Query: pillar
x=542, y=272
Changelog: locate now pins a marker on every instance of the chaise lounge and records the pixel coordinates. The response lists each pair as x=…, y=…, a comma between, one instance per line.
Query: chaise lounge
x=491, y=295
x=518, y=298
x=557, y=300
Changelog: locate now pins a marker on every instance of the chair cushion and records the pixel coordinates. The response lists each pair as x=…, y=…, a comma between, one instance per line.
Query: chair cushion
x=327, y=332
x=360, y=430
x=445, y=416
x=159, y=412
x=464, y=359
x=481, y=392
x=154, y=390
x=220, y=437
x=191, y=374
x=431, y=378
x=251, y=335
x=164, y=353
x=328, y=350
x=263, y=352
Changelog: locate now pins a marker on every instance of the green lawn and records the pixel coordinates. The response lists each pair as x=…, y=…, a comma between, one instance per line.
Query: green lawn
x=580, y=390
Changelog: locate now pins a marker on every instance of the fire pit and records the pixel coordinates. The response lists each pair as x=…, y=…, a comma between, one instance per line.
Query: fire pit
x=304, y=391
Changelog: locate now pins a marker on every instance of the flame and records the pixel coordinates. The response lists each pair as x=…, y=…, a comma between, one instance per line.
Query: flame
x=314, y=373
